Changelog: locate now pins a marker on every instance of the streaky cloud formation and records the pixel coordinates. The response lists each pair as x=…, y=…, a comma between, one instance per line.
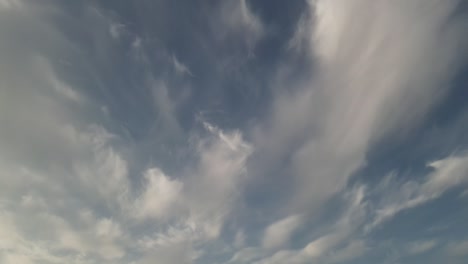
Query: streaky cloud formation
x=239, y=131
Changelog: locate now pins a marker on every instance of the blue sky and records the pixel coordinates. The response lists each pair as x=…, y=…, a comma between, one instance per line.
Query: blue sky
x=233, y=132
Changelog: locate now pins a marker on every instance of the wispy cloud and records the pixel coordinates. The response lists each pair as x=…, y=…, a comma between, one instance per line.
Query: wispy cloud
x=180, y=67
x=448, y=173
x=368, y=85
x=279, y=233
x=105, y=157
x=421, y=246
x=238, y=19
x=458, y=249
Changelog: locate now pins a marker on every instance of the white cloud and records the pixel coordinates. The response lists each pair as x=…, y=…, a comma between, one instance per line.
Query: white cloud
x=180, y=254
x=246, y=255
x=57, y=234
x=116, y=30
x=65, y=187
x=160, y=195
x=8, y=233
x=354, y=249
x=457, y=249
x=320, y=246
x=204, y=198
x=334, y=244
x=180, y=67
x=197, y=204
x=108, y=229
x=374, y=77
x=339, y=243
x=72, y=189
x=104, y=174
x=323, y=250
x=33, y=201
x=8, y=4
x=87, y=180
x=464, y=194
x=236, y=18
x=447, y=173
x=279, y=233
x=165, y=106
x=420, y=247
x=62, y=88
x=239, y=239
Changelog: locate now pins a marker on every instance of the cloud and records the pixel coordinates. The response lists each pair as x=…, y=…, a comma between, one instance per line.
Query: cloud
x=334, y=244
x=180, y=67
x=8, y=4
x=447, y=173
x=205, y=197
x=366, y=85
x=246, y=255
x=464, y=194
x=165, y=106
x=104, y=158
x=116, y=30
x=457, y=249
x=95, y=207
x=239, y=239
x=71, y=191
x=279, y=233
x=237, y=19
x=370, y=208
x=339, y=243
x=222, y=164
x=353, y=250
x=420, y=247
x=181, y=254
x=364, y=212
x=160, y=195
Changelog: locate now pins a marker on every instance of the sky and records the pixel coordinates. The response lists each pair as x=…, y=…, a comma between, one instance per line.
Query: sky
x=233, y=131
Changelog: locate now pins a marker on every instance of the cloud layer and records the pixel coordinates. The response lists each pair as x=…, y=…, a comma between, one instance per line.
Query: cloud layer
x=318, y=131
